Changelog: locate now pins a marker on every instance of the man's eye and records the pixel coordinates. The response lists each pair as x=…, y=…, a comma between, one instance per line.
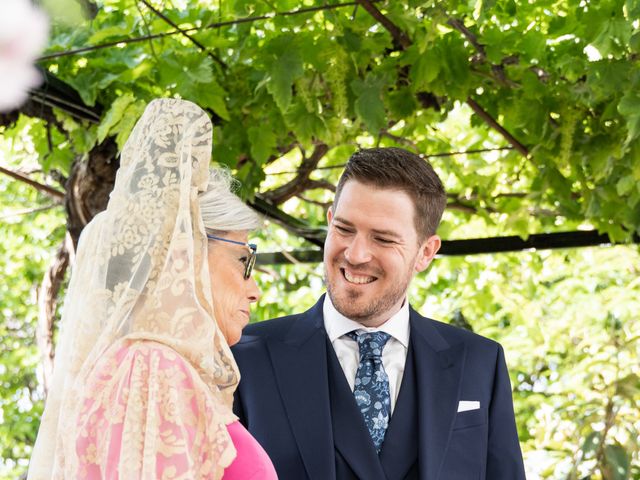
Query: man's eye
x=385, y=241
x=342, y=229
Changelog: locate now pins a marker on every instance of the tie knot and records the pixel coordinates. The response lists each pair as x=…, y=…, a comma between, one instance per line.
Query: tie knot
x=370, y=344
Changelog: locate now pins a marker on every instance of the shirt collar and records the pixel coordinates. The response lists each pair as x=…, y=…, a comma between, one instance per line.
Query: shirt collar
x=338, y=325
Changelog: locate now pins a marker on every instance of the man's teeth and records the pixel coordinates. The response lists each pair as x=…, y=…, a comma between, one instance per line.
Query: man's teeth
x=358, y=278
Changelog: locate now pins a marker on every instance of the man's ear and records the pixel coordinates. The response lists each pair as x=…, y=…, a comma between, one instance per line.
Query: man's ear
x=329, y=214
x=427, y=251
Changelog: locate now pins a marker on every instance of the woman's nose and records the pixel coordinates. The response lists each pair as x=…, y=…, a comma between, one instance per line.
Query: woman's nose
x=253, y=292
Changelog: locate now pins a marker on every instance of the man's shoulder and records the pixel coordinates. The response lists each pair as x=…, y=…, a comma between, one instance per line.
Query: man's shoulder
x=463, y=333
x=272, y=327
x=279, y=328
x=455, y=335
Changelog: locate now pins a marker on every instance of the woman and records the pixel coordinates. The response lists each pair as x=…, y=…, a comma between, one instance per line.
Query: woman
x=144, y=378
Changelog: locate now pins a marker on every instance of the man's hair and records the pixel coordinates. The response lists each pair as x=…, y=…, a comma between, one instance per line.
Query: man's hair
x=399, y=169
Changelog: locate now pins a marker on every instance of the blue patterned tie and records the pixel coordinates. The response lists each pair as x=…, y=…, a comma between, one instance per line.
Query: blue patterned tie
x=371, y=388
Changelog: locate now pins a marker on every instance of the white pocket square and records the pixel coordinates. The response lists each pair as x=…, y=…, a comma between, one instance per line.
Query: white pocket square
x=466, y=405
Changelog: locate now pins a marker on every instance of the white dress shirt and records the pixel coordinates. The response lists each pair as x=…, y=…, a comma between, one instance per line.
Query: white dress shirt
x=394, y=354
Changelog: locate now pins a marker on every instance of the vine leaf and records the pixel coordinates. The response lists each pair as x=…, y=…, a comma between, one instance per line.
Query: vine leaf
x=369, y=106
x=629, y=107
x=114, y=115
x=263, y=141
x=285, y=68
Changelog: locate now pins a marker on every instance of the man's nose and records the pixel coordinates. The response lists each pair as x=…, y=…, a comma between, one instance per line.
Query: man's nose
x=358, y=251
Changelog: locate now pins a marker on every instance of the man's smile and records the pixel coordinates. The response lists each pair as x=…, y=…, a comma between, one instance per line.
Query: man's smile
x=357, y=279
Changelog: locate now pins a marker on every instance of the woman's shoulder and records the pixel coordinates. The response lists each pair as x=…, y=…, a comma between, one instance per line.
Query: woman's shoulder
x=144, y=349
x=142, y=360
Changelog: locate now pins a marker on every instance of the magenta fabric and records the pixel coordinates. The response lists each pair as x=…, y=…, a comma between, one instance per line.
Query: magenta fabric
x=251, y=462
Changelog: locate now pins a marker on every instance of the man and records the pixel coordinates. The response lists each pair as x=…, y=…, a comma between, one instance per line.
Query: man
x=361, y=386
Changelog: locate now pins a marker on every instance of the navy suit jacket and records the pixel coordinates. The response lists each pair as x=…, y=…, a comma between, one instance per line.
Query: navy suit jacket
x=284, y=401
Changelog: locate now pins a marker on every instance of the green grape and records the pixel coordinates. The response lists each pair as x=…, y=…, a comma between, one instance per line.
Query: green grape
x=568, y=123
x=335, y=77
x=303, y=90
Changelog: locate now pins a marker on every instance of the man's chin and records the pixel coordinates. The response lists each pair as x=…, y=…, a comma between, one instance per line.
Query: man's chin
x=351, y=309
x=353, y=303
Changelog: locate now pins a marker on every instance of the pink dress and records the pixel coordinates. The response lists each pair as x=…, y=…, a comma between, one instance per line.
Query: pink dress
x=146, y=414
x=251, y=462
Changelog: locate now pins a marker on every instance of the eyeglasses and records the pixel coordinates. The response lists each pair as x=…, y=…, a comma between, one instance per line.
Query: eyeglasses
x=251, y=259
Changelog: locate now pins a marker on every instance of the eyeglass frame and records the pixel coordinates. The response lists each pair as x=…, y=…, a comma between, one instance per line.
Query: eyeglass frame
x=251, y=260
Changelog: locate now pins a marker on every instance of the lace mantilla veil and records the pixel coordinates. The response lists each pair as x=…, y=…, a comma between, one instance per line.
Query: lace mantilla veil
x=141, y=274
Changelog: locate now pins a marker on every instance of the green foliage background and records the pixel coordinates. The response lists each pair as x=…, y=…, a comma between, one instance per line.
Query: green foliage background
x=561, y=77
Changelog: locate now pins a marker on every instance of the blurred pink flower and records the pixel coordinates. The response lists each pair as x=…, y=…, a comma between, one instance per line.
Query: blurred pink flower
x=23, y=34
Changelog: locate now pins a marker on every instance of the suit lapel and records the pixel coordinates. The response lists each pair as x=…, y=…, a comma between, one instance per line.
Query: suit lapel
x=300, y=366
x=439, y=368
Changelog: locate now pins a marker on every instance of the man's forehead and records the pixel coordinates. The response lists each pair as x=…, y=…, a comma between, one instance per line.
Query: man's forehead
x=363, y=184
x=355, y=194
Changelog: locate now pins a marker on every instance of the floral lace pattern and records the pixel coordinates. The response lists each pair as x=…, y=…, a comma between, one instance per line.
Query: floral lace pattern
x=141, y=273
x=145, y=393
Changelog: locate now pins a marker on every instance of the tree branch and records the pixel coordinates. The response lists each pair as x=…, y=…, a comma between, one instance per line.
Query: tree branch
x=239, y=21
x=148, y=29
x=401, y=140
x=297, y=226
x=28, y=211
x=302, y=181
x=89, y=8
x=400, y=39
x=429, y=155
x=468, y=152
x=47, y=190
x=461, y=207
x=497, y=70
x=457, y=196
x=47, y=303
x=324, y=205
x=282, y=151
x=204, y=49
x=53, y=93
x=609, y=422
x=473, y=40
x=489, y=120
x=460, y=204
x=323, y=184
x=89, y=185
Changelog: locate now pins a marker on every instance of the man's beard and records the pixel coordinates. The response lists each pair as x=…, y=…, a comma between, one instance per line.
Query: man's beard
x=346, y=303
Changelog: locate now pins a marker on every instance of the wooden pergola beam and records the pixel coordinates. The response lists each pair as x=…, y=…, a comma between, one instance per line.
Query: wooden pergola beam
x=473, y=246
